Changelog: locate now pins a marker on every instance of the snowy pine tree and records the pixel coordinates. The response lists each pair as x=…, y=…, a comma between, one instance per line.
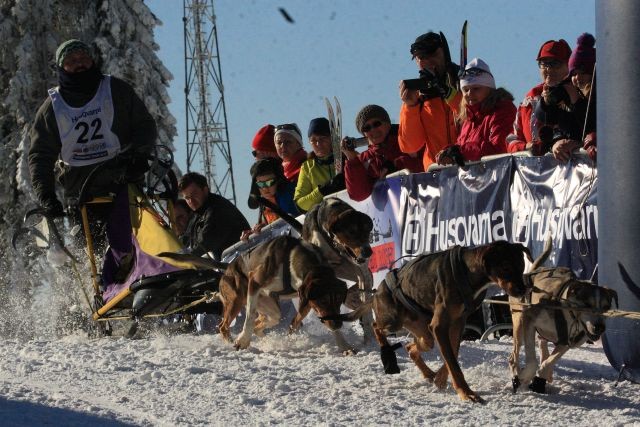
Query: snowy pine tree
x=121, y=33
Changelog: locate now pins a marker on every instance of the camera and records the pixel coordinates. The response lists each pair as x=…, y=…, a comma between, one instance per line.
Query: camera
x=558, y=94
x=427, y=84
x=353, y=143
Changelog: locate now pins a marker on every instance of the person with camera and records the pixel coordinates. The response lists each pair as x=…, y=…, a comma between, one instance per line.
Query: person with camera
x=553, y=57
x=568, y=110
x=383, y=155
x=486, y=116
x=288, y=141
x=92, y=131
x=427, y=115
x=318, y=176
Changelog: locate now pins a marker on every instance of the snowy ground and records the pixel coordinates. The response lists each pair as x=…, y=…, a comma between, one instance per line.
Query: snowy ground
x=186, y=379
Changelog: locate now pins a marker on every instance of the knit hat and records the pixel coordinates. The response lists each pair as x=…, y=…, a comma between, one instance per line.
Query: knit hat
x=319, y=126
x=263, y=140
x=369, y=112
x=290, y=129
x=70, y=46
x=584, y=57
x=477, y=72
x=427, y=43
x=558, y=50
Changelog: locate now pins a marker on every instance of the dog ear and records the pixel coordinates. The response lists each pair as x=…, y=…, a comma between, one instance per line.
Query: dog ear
x=613, y=295
x=526, y=251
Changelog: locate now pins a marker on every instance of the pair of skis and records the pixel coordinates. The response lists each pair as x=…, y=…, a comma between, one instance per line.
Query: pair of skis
x=335, y=126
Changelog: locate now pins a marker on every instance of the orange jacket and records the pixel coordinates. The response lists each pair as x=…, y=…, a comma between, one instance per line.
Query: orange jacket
x=430, y=124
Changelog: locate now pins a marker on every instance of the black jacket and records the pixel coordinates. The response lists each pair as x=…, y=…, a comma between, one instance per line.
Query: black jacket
x=214, y=227
x=132, y=123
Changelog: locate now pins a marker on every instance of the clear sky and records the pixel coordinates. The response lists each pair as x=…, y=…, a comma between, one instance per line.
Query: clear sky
x=277, y=72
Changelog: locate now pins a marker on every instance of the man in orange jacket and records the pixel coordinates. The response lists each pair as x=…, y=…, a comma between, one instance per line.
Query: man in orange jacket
x=427, y=115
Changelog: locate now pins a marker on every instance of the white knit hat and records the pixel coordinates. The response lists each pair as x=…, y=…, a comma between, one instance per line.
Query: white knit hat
x=477, y=72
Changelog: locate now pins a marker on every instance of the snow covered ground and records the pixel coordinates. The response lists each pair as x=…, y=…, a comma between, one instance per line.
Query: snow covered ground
x=186, y=379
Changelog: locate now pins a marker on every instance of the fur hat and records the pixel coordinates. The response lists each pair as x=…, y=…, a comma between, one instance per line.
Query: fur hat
x=369, y=112
x=70, y=46
x=263, y=140
x=584, y=57
x=477, y=72
x=558, y=50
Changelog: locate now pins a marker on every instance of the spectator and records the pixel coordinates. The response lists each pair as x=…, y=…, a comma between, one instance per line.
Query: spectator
x=216, y=223
x=288, y=141
x=269, y=180
x=317, y=174
x=486, y=116
x=427, y=117
x=89, y=121
x=263, y=144
x=564, y=108
x=383, y=156
x=552, y=58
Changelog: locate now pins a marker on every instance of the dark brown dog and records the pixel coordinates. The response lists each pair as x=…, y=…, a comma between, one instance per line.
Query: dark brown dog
x=550, y=289
x=343, y=235
x=432, y=296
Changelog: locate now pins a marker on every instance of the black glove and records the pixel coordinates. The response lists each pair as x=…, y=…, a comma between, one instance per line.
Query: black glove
x=53, y=208
x=453, y=152
x=389, y=359
x=136, y=168
x=336, y=184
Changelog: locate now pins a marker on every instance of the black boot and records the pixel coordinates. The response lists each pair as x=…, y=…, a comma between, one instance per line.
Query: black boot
x=389, y=360
x=538, y=385
x=515, y=383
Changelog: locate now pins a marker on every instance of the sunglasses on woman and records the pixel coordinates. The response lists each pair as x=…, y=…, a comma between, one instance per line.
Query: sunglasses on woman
x=265, y=184
x=369, y=126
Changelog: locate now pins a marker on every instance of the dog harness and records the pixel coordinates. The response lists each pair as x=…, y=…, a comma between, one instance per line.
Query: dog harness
x=453, y=260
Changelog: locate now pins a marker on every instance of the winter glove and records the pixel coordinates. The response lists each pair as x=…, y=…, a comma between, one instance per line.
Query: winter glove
x=136, y=168
x=336, y=184
x=389, y=359
x=53, y=208
x=452, y=152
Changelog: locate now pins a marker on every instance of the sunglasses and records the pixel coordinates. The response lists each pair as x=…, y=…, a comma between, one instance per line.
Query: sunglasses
x=369, y=126
x=288, y=126
x=549, y=64
x=265, y=184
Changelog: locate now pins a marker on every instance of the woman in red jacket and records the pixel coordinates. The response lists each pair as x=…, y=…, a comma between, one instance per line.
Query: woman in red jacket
x=383, y=156
x=486, y=117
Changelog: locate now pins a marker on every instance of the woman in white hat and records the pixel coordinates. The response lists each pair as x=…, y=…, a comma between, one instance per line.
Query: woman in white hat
x=486, y=117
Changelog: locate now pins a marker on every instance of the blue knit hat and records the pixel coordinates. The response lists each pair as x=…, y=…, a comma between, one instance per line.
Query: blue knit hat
x=319, y=126
x=70, y=46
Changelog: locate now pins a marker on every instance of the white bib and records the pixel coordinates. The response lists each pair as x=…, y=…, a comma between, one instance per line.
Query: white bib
x=85, y=132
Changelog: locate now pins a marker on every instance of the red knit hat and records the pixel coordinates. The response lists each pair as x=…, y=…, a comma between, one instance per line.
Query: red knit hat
x=584, y=57
x=263, y=140
x=558, y=50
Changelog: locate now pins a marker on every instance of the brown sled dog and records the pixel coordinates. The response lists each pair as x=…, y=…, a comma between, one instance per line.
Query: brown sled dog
x=566, y=329
x=431, y=297
x=284, y=267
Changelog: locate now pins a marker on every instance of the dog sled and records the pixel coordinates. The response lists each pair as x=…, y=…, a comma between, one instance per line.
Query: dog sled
x=131, y=282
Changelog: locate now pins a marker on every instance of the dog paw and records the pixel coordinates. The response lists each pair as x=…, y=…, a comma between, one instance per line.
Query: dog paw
x=440, y=380
x=241, y=343
x=350, y=352
x=538, y=385
x=389, y=359
x=515, y=383
x=471, y=396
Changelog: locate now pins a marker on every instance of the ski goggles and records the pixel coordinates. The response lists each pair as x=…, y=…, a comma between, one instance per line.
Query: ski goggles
x=265, y=184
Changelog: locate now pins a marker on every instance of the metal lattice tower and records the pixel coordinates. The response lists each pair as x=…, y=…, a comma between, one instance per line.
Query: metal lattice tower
x=207, y=134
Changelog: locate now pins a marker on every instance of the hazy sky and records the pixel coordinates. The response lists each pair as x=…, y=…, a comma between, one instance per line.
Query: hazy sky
x=277, y=72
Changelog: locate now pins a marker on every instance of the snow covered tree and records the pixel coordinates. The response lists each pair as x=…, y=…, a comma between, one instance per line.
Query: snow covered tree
x=120, y=31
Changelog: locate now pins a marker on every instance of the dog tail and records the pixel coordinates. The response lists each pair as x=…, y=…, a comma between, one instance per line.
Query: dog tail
x=289, y=219
x=548, y=244
x=353, y=315
x=200, y=262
